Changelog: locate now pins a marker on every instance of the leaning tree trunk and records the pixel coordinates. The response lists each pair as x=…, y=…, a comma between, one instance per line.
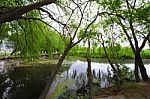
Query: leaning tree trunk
x=107, y=57
x=141, y=66
x=53, y=75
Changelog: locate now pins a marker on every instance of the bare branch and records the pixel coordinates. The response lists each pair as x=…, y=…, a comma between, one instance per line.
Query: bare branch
x=128, y=37
x=144, y=41
x=52, y=16
x=80, y=18
x=86, y=29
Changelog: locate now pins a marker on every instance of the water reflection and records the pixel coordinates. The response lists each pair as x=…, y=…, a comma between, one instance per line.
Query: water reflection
x=78, y=70
x=24, y=82
x=2, y=69
x=81, y=67
x=28, y=82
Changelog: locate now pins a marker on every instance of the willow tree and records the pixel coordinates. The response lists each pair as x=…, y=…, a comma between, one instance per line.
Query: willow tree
x=73, y=12
x=132, y=20
x=31, y=40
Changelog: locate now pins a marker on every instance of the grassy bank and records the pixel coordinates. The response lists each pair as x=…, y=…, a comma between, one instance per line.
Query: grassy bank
x=114, y=53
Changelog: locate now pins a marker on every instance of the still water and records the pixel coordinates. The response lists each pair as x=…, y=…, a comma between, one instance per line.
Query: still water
x=79, y=68
x=22, y=83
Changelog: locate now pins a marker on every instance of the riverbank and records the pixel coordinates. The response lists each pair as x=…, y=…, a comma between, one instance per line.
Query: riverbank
x=129, y=91
x=51, y=60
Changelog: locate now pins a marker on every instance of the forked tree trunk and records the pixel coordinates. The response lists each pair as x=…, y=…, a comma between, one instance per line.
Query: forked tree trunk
x=53, y=75
x=90, y=80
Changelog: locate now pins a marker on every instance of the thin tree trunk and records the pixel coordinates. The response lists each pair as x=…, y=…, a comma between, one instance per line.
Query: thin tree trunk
x=13, y=52
x=107, y=57
x=89, y=72
x=57, y=68
x=136, y=72
x=90, y=80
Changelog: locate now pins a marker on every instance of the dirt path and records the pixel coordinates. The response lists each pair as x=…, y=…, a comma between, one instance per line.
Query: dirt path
x=111, y=97
x=130, y=91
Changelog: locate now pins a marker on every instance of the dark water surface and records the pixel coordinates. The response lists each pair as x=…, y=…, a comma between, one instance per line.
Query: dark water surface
x=24, y=82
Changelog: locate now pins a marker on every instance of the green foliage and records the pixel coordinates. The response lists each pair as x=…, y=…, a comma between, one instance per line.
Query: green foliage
x=4, y=28
x=30, y=40
x=126, y=53
x=120, y=76
x=143, y=11
x=111, y=4
x=119, y=52
x=146, y=54
x=114, y=51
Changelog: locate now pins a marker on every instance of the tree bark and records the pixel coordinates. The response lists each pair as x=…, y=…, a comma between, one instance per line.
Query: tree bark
x=107, y=57
x=90, y=80
x=57, y=68
x=8, y=14
x=136, y=72
x=141, y=66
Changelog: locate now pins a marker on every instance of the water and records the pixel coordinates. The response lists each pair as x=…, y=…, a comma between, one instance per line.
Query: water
x=80, y=68
x=24, y=82
x=2, y=69
x=4, y=47
x=28, y=82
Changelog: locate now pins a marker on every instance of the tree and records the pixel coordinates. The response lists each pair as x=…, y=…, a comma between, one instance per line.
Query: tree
x=76, y=14
x=133, y=21
x=33, y=39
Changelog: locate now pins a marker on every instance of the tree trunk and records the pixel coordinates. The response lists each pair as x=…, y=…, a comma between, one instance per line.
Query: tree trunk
x=141, y=66
x=90, y=80
x=53, y=75
x=136, y=72
x=107, y=57
x=13, y=52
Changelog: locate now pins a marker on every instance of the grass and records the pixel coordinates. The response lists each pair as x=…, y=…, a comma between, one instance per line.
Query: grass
x=60, y=89
x=119, y=53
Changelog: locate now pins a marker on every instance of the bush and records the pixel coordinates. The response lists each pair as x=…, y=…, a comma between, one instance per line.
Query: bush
x=145, y=54
x=122, y=75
